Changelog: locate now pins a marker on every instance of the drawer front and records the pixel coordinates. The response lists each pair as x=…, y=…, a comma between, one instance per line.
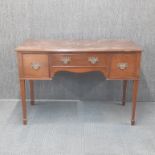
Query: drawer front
x=75, y=60
x=35, y=65
x=124, y=66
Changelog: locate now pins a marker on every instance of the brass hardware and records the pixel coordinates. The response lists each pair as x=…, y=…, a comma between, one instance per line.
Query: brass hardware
x=35, y=66
x=93, y=60
x=122, y=66
x=66, y=60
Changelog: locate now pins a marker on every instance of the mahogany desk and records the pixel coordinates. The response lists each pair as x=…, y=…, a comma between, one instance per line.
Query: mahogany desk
x=116, y=59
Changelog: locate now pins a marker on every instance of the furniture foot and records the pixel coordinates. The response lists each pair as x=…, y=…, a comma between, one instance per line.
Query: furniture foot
x=125, y=82
x=132, y=122
x=31, y=91
x=24, y=121
x=23, y=101
x=134, y=98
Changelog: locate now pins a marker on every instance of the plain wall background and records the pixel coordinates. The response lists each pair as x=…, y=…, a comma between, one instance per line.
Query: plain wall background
x=77, y=19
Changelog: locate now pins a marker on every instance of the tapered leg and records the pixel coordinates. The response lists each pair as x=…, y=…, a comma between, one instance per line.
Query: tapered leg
x=32, y=92
x=134, y=98
x=23, y=100
x=125, y=83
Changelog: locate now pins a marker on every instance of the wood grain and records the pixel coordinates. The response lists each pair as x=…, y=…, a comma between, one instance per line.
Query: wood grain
x=78, y=45
x=125, y=83
x=134, y=98
x=132, y=69
x=23, y=100
x=116, y=60
x=31, y=82
x=79, y=59
x=41, y=60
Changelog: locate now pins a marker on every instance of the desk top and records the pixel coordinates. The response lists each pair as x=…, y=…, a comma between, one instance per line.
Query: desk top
x=78, y=46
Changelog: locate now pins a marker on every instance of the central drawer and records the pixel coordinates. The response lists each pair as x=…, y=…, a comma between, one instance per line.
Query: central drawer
x=82, y=60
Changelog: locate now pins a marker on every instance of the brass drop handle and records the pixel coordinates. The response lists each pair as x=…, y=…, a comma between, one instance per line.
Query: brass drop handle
x=122, y=66
x=93, y=60
x=66, y=60
x=35, y=65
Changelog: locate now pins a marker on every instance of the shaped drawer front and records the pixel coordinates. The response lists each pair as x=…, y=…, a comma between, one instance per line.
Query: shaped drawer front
x=35, y=65
x=125, y=66
x=75, y=60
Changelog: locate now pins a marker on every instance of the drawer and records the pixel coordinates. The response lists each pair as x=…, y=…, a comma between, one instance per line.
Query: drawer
x=35, y=65
x=124, y=66
x=75, y=60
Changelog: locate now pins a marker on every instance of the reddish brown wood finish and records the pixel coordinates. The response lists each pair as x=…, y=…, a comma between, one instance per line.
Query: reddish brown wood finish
x=125, y=82
x=79, y=60
x=40, y=59
x=31, y=91
x=23, y=99
x=134, y=98
x=116, y=59
x=78, y=70
x=78, y=46
x=130, y=71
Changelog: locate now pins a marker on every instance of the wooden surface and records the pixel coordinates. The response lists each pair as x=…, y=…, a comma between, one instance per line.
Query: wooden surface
x=134, y=98
x=80, y=46
x=116, y=60
x=125, y=83
x=31, y=91
x=130, y=71
x=29, y=59
x=23, y=100
x=79, y=60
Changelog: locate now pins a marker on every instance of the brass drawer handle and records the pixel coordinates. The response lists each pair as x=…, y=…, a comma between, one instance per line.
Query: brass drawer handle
x=93, y=60
x=35, y=66
x=122, y=66
x=66, y=60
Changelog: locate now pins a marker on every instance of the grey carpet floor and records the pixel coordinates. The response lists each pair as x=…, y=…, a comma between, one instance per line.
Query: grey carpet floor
x=77, y=128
